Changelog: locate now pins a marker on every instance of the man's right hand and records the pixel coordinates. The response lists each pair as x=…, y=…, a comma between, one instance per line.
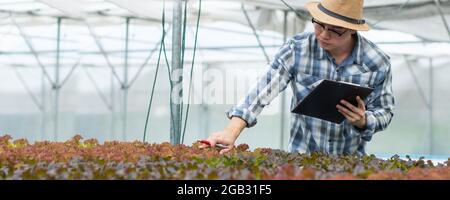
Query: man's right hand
x=225, y=138
x=228, y=136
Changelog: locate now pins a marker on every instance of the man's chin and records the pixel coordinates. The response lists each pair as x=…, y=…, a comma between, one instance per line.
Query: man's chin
x=325, y=46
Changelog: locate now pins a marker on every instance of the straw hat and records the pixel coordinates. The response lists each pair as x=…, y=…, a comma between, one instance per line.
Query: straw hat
x=343, y=13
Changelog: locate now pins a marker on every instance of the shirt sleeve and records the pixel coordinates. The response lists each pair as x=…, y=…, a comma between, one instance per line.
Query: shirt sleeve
x=379, y=109
x=274, y=80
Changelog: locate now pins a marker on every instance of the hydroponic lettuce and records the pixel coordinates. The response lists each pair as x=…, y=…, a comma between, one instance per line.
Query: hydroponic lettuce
x=88, y=159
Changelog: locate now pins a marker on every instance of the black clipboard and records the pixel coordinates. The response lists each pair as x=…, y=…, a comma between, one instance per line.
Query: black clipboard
x=321, y=102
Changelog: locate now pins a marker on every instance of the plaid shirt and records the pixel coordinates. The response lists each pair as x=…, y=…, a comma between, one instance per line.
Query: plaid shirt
x=303, y=63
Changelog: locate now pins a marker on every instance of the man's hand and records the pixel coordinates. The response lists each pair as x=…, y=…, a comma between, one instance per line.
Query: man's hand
x=355, y=115
x=228, y=136
x=225, y=138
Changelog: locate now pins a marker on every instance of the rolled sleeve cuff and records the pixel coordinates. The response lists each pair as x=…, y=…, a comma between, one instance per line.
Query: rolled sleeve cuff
x=366, y=134
x=245, y=114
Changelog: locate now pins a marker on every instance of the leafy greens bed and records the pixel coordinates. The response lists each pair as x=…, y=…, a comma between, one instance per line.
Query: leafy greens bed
x=88, y=159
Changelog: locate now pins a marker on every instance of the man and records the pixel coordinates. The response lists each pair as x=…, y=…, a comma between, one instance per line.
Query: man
x=334, y=51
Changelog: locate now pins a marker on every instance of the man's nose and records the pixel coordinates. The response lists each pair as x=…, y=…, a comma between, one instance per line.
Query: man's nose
x=325, y=34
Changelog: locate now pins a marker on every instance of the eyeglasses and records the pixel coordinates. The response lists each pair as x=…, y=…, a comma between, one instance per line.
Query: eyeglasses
x=321, y=27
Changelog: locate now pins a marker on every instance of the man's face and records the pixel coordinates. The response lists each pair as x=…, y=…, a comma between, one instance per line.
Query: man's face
x=331, y=37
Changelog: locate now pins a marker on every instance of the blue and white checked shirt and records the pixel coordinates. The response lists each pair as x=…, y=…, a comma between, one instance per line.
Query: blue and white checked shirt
x=303, y=63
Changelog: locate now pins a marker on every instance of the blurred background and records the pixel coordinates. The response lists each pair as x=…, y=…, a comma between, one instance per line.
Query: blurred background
x=89, y=67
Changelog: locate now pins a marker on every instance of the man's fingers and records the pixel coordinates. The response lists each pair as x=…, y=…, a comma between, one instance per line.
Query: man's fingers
x=353, y=109
x=220, y=141
x=351, y=113
x=349, y=105
x=214, y=139
x=349, y=118
x=204, y=144
x=347, y=112
x=360, y=103
x=212, y=143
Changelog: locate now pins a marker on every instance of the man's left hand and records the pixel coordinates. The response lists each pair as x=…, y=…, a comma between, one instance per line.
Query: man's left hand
x=355, y=115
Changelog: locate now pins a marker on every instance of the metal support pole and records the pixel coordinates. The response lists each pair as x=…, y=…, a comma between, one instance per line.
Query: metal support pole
x=285, y=25
x=176, y=94
x=431, y=107
x=204, y=115
x=56, y=85
x=113, y=113
x=283, y=95
x=43, y=115
x=125, y=80
x=444, y=21
x=254, y=33
x=416, y=81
